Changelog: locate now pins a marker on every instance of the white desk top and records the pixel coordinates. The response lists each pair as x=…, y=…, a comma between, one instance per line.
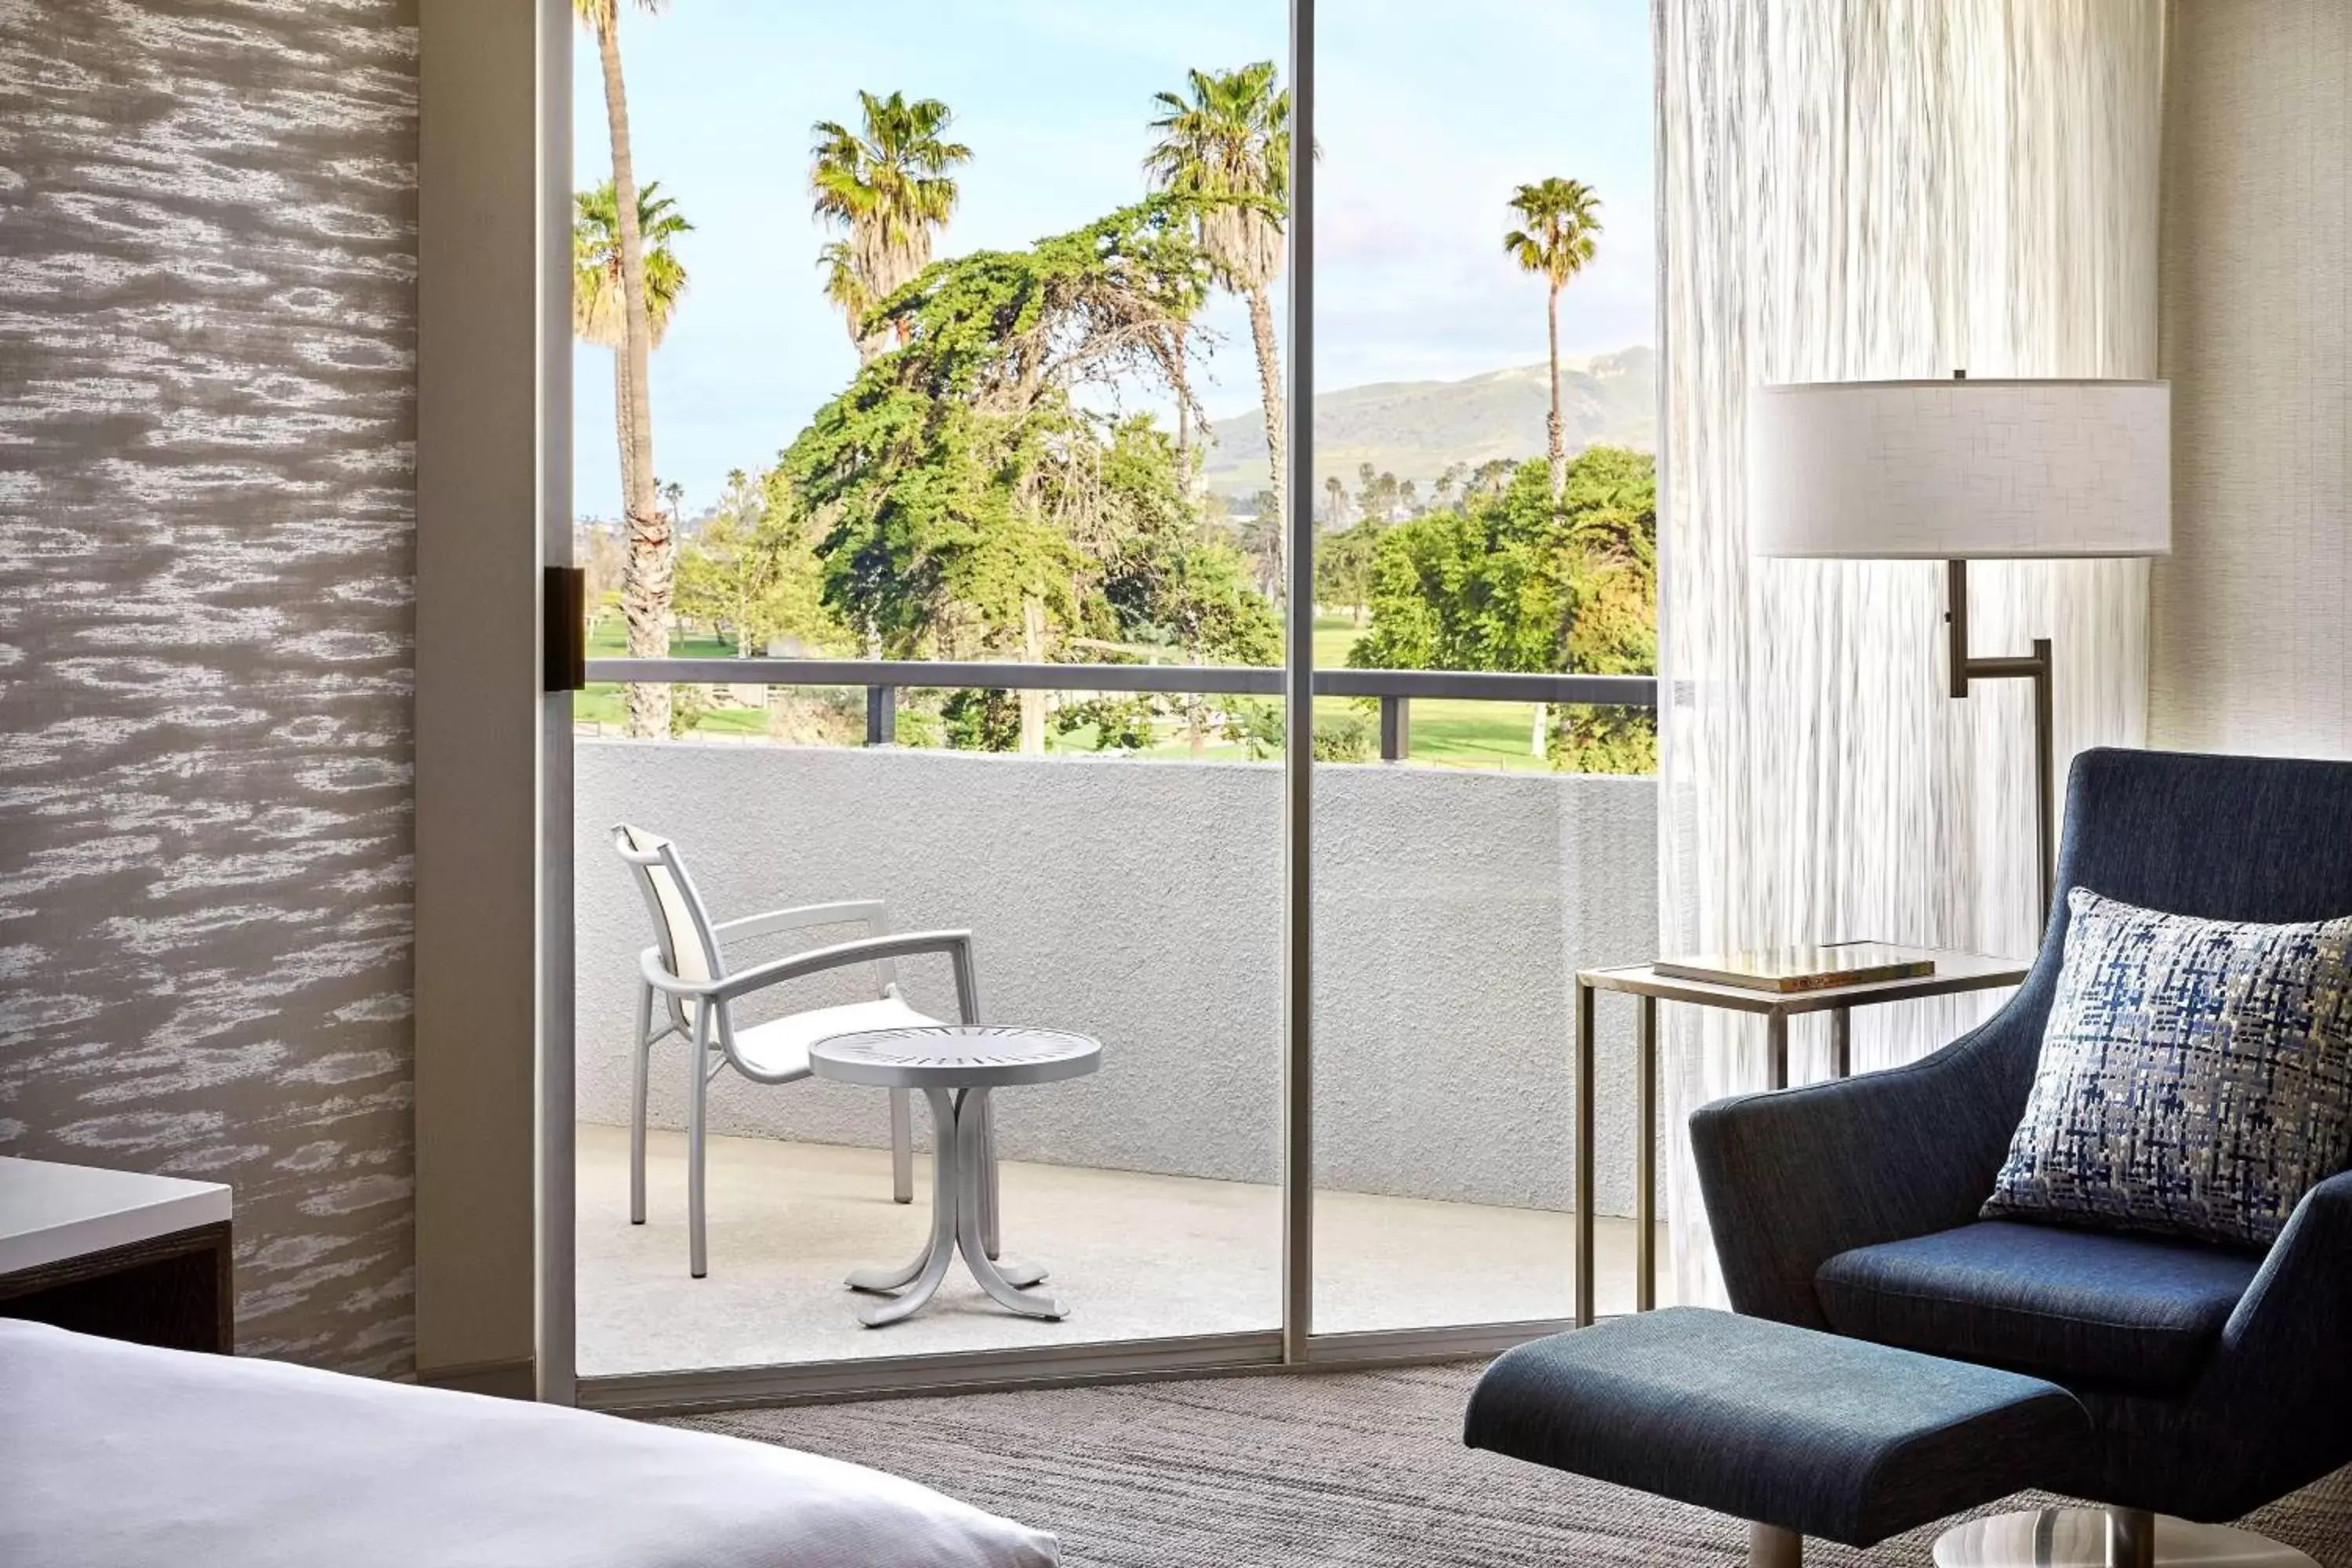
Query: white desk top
x=50, y=1212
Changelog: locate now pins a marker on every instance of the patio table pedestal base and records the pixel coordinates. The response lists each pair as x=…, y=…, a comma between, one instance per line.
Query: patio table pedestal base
x=956, y=1065
x=957, y=1121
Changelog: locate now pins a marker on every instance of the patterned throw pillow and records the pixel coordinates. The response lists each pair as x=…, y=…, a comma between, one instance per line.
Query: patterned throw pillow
x=2196, y=1075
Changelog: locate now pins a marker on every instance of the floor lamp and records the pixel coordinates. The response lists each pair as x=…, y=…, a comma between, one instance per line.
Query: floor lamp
x=1964, y=470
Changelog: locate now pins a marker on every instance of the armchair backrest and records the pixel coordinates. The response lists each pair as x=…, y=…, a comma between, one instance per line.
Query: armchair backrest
x=2240, y=839
x=682, y=927
x=2237, y=839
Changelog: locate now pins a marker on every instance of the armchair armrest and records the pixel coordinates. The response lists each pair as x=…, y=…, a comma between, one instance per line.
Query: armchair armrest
x=868, y=912
x=1792, y=1178
x=2276, y=1397
x=2298, y=1310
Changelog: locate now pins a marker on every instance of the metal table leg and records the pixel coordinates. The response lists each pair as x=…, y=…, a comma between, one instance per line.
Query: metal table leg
x=977, y=1122
x=902, y=1147
x=1776, y=1042
x=984, y=1188
x=1646, y=1173
x=928, y=1270
x=1841, y=1041
x=1004, y=1287
x=958, y=1192
x=1584, y=1194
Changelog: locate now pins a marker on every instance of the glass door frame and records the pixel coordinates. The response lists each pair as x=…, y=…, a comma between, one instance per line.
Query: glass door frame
x=1294, y=1343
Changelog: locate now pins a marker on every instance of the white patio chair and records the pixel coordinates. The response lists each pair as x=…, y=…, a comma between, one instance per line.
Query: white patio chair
x=688, y=967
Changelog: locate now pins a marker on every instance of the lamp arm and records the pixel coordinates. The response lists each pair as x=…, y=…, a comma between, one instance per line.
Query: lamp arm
x=1966, y=668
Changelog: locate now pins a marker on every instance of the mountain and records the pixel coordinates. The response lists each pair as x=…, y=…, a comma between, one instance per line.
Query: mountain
x=1414, y=429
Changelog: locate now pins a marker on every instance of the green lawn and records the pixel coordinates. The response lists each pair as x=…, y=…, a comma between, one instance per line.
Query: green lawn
x=600, y=703
x=1452, y=734
x=609, y=639
x=1447, y=734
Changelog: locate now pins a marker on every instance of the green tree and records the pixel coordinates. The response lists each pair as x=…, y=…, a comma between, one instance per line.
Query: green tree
x=888, y=186
x=753, y=574
x=1512, y=582
x=1258, y=533
x=597, y=307
x=1611, y=505
x=1165, y=579
x=1343, y=566
x=1257, y=729
x=1336, y=513
x=967, y=498
x=1563, y=227
x=1489, y=478
x=1379, y=497
x=645, y=595
x=1226, y=145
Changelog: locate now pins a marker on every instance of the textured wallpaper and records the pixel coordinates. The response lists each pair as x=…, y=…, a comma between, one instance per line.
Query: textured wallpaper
x=2252, y=616
x=207, y=312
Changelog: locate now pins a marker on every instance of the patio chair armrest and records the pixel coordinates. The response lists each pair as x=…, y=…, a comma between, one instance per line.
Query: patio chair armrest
x=1792, y=1178
x=955, y=944
x=655, y=973
x=868, y=912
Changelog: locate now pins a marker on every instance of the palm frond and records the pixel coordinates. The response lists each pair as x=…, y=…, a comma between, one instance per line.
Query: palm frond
x=1563, y=218
x=596, y=261
x=888, y=187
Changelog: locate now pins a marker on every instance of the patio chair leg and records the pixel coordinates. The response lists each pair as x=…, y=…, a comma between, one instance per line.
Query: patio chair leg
x=698, y=1093
x=989, y=1240
x=637, y=1105
x=902, y=1148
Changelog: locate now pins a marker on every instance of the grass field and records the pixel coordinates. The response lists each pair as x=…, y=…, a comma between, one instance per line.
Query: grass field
x=600, y=703
x=1446, y=734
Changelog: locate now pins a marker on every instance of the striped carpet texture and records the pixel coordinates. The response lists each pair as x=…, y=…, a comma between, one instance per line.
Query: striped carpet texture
x=1317, y=1471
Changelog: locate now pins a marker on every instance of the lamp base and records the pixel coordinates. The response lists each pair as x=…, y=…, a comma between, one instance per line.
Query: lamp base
x=2080, y=1537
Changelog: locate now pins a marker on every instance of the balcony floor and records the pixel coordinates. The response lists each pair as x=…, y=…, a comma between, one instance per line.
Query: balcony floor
x=1135, y=1257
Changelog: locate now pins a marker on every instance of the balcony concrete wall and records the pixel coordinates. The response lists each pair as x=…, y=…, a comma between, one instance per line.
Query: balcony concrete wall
x=1140, y=903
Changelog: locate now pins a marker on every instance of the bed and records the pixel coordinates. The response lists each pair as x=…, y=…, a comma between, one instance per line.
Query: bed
x=119, y=1455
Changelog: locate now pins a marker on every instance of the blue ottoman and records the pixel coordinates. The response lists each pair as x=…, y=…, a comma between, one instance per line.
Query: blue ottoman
x=1798, y=1432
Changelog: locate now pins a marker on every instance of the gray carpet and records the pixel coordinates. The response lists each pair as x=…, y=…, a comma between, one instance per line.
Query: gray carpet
x=1316, y=1471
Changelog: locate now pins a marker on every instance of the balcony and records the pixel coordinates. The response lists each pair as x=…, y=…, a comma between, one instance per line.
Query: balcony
x=1139, y=903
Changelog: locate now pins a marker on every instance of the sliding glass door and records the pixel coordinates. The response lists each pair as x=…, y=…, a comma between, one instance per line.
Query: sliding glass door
x=954, y=383
x=1484, y=531
x=960, y=504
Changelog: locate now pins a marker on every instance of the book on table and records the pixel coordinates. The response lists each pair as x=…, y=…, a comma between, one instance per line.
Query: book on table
x=1814, y=967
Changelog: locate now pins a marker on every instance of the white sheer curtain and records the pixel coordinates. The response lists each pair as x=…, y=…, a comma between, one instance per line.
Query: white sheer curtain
x=1855, y=189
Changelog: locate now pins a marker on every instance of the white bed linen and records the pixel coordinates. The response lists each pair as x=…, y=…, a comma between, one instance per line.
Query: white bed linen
x=115, y=1455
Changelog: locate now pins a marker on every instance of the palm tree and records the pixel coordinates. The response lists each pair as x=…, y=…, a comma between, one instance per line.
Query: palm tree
x=886, y=186
x=1335, y=497
x=597, y=284
x=1563, y=223
x=845, y=291
x=1228, y=146
x=644, y=590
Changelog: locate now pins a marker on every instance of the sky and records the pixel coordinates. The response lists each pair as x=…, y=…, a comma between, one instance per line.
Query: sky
x=1429, y=116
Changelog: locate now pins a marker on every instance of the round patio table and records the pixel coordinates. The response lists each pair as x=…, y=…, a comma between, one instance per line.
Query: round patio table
x=955, y=1065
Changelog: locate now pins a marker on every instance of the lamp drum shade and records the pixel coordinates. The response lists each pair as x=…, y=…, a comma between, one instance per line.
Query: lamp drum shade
x=1954, y=470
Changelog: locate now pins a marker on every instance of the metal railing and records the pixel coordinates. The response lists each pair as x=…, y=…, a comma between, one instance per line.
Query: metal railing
x=883, y=678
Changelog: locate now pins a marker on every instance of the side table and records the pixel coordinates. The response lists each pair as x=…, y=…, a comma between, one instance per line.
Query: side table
x=1955, y=972
x=113, y=1253
x=955, y=1065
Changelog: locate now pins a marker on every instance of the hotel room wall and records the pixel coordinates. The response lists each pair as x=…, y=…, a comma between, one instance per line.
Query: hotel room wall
x=2252, y=628
x=208, y=321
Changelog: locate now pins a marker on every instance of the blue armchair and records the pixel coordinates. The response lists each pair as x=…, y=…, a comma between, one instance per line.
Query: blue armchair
x=2216, y=1381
